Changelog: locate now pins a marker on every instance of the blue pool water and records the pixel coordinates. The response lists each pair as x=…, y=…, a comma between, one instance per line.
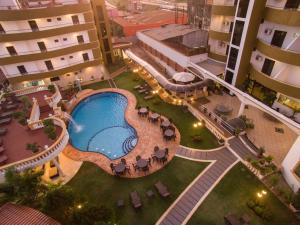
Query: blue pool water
x=100, y=126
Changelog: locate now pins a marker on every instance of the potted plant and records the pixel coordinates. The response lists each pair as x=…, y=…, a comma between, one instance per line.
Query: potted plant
x=51, y=88
x=34, y=147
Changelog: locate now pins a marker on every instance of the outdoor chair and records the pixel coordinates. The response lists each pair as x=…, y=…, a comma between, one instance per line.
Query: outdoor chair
x=138, y=157
x=162, y=189
x=134, y=167
x=156, y=148
x=135, y=200
x=112, y=166
x=167, y=151
x=123, y=161
x=5, y=121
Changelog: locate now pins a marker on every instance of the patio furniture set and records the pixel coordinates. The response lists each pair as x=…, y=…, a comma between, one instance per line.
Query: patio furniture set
x=144, y=89
x=136, y=200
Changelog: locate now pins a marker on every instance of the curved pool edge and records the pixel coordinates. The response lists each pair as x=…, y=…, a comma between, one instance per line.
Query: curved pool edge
x=149, y=135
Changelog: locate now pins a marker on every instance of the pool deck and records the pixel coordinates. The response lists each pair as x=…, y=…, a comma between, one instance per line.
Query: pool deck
x=149, y=136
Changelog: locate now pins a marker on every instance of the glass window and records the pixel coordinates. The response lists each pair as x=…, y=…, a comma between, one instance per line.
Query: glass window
x=243, y=8
x=232, y=58
x=237, y=34
x=229, y=76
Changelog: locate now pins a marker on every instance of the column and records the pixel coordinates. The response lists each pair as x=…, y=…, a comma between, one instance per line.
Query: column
x=58, y=167
x=241, y=110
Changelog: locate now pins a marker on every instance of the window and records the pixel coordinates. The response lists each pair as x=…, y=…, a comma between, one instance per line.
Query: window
x=100, y=13
x=54, y=79
x=106, y=45
x=62, y=58
x=242, y=8
x=42, y=46
x=33, y=25
x=229, y=76
x=237, y=34
x=49, y=20
x=292, y=4
x=80, y=39
x=49, y=65
x=22, y=69
x=268, y=66
x=12, y=51
x=65, y=39
x=58, y=19
x=71, y=57
x=232, y=58
x=2, y=31
x=56, y=40
x=278, y=38
x=75, y=19
x=85, y=57
x=103, y=29
x=108, y=57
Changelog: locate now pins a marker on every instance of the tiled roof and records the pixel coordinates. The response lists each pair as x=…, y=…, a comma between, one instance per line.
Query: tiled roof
x=12, y=214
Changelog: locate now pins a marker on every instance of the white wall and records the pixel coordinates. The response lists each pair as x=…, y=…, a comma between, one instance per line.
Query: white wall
x=223, y=2
x=216, y=47
x=289, y=38
x=221, y=23
x=177, y=57
x=288, y=164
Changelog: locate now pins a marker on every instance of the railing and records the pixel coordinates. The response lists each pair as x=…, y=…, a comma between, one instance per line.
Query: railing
x=44, y=156
x=30, y=90
x=34, y=115
x=39, y=4
x=223, y=2
x=55, y=98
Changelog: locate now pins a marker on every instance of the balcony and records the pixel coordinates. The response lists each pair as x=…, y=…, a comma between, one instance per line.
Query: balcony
x=50, y=53
x=276, y=85
x=279, y=54
x=217, y=56
x=226, y=9
x=57, y=71
x=289, y=17
x=27, y=34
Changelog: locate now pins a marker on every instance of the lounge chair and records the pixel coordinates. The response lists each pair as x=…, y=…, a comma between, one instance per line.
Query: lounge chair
x=10, y=107
x=148, y=97
x=5, y=121
x=2, y=149
x=162, y=189
x=135, y=199
x=3, y=131
x=6, y=115
x=137, y=87
x=3, y=159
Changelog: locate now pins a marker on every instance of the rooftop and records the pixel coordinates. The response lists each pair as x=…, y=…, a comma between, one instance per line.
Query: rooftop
x=214, y=67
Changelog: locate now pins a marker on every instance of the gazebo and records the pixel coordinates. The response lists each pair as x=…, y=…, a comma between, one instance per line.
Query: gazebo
x=183, y=77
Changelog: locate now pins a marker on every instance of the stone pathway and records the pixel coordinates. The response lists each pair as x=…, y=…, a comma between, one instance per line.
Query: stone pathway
x=239, y=148
x=189, y=200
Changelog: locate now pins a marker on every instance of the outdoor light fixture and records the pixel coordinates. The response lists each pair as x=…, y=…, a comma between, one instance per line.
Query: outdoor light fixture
x=263, y=192
x=199, y=124
x=79, y=206
x=259, y=195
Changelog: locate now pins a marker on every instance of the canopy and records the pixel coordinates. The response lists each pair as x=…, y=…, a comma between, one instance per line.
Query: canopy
x=183, y=77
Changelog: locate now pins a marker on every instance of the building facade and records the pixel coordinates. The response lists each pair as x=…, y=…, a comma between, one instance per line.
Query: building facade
x=59, y=41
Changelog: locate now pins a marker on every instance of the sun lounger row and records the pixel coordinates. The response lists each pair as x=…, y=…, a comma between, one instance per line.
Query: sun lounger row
x=136, y=199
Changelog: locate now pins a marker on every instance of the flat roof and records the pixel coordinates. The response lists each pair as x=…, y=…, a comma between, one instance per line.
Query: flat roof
x=169, y=31
x=148, y=17
x=214, y=67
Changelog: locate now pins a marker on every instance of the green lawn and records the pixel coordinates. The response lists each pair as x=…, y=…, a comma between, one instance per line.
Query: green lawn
x=231, y=195
x=97, y=186
x=183, y=120
x=98, y=85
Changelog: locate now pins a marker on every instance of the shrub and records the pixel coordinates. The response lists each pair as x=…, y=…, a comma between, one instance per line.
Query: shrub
x=267, y=215
x=197, y=138
x=34, y=147
x=251, y=204
x=48, y=122
x=50, y=129
x=51, y=88
x=258, y=210
x=296, y=200
x=269, y=159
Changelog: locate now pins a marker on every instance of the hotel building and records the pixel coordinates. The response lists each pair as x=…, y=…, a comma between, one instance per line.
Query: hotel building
x=57, y=41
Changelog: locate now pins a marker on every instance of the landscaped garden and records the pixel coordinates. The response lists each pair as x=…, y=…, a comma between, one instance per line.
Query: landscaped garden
x=192, y=137
x=98, y=187
x=231, y=196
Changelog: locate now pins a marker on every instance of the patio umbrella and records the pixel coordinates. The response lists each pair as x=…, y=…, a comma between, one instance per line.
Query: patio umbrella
x=183, y=77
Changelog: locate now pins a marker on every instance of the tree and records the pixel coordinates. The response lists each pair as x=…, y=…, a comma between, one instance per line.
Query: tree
x=58, y=202
x=296, y=200
x=24, y=188
x=92, y=215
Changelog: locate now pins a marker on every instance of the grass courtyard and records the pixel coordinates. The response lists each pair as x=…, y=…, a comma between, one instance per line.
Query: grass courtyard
x=231, y=196
x=98, y=187
x=182, y=119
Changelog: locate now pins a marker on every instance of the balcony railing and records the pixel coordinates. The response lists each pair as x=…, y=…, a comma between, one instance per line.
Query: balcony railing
x=55, y=98
x=30, y=90
x=25, y=4
x=46, y=50
x=44, y=156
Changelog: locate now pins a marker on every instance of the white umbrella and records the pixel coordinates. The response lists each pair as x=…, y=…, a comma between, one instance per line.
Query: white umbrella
x=183, y=77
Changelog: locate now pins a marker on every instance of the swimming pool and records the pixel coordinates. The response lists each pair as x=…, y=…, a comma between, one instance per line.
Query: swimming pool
x=99, y=125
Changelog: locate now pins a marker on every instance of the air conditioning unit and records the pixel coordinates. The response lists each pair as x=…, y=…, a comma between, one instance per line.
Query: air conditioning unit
x=258, y=58
x=222, y=44
x=268, y=31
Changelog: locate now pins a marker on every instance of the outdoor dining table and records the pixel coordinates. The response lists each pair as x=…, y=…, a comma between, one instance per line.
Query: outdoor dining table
x=160, y=154
x=154, y=116
x=120, y=168
x=169, y=133
x=143, y=110
x=142, y=163
x=166, y=123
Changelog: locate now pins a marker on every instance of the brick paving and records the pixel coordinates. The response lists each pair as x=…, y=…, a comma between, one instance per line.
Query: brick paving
x=182, y=209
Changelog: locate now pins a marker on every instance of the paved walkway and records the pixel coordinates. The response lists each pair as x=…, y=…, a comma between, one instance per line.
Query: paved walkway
x=189, y=200
x=240, y=149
